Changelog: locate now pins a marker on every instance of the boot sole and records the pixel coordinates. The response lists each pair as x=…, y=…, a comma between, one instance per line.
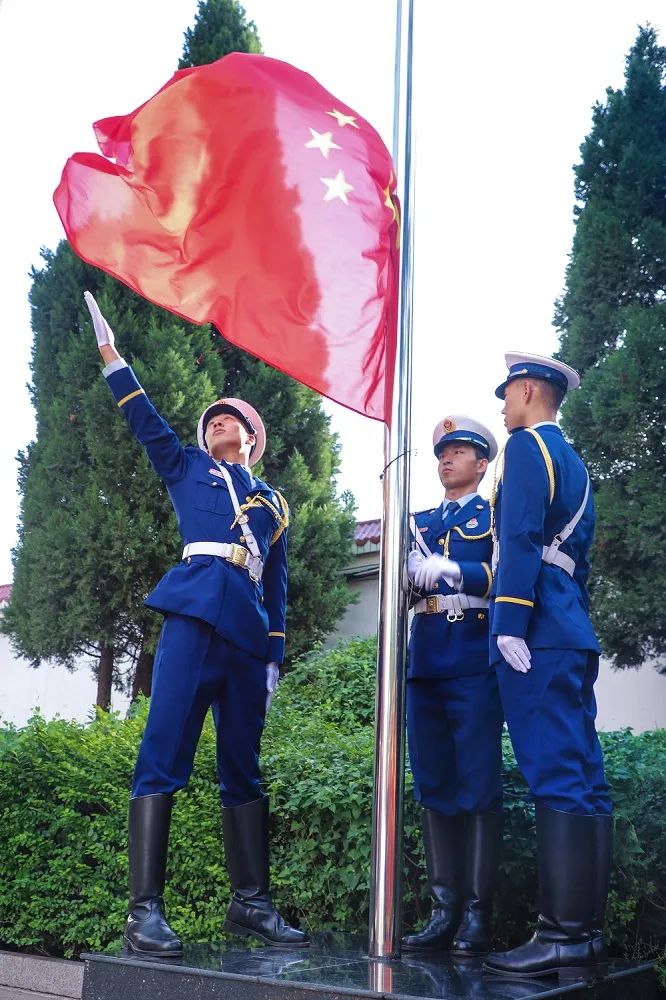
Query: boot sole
x=469, y=953
x=151, y=954
x=435, y=949
x=586, y=973
x=241, y=931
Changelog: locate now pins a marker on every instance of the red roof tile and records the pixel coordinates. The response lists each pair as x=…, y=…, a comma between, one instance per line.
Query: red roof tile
x=367, y=531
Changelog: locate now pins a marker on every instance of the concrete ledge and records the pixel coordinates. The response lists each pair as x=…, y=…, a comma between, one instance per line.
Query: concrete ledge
x=55, y=976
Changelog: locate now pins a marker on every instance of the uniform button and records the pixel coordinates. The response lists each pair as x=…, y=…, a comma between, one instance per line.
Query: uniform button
x=213, y=484
x=481, y=617
x=242, y=538
x=441, y=541
x=436, y=586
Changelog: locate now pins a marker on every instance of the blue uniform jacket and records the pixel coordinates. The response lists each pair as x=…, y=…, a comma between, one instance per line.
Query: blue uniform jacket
x=539, y=494
x=208, y=587
x=439, y=648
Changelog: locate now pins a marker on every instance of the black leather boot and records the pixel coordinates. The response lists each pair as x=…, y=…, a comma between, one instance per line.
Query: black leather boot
x=147, y=931
x=562, y=944
x=603, y=863
x=251, y=910
x=443, y=843
x=483, y=838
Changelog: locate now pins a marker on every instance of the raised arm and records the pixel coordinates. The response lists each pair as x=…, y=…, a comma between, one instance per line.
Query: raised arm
x=164, y=450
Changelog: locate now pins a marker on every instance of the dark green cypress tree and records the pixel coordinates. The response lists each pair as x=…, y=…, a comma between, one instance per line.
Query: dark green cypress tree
x=612, y=325
x=96, y=527
x=220, y=27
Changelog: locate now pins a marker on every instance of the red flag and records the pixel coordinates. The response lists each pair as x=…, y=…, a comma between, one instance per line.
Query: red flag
x=246, y=195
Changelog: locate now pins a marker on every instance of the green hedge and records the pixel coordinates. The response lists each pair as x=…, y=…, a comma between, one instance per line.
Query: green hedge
x=63, y=803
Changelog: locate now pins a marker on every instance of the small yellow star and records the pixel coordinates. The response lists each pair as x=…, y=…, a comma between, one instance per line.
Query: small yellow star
x=388, y=200
x=336, y=187
x=342, y=119
x=323, y=141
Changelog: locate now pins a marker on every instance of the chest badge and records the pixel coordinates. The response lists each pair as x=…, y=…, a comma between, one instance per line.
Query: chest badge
x=472, y=523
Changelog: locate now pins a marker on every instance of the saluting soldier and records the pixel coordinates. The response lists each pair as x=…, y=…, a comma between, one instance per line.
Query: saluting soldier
x=221, y=644
x=547, y=658
x=454, y=716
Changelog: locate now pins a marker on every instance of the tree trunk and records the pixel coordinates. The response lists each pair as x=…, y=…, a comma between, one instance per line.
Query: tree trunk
x=104, y=677
x=143, y=675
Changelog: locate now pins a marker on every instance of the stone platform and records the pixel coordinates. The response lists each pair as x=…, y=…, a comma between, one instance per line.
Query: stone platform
x=334, y=967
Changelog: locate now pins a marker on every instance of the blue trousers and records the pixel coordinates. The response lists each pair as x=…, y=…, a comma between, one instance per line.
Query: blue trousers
x=454, y=727
x=550, y=712
x=196, y=669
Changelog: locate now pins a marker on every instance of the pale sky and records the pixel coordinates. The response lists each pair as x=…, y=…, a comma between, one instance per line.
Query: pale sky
x=503, y=100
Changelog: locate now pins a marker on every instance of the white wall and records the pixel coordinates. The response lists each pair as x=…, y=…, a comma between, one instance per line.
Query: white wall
x=52, y=689
x=635, y=698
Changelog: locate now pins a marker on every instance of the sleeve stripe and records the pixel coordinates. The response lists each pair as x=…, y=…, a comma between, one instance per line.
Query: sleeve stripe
x=280, y=634
x=514, y=600
x=490, y=578
x=131, y=395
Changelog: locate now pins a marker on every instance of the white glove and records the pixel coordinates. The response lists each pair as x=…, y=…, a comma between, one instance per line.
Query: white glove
x=434, y=568
x=103, y=331
x=414, y=560
x=515, y=652
x=272, y=678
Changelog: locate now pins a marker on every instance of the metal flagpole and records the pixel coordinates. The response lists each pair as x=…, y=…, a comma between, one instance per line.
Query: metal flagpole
x=386, y=850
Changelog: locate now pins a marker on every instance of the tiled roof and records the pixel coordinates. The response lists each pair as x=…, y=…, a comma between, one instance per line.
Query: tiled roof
x=367, y=531
x=371, y=531
x=5, y=593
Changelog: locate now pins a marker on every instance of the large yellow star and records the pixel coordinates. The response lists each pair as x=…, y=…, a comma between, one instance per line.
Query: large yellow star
x=323, y=141
x=342, y=119
x=336, y=187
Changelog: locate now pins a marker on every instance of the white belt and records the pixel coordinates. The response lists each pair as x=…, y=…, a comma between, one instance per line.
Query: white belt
x=230, y=551
x=455, y=605
x=551, y=554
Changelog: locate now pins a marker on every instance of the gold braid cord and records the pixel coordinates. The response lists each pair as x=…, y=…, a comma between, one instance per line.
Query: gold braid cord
x=283, y=519
x=472, y=538
x=281, y=515
x=498, y=472
x=447, y=542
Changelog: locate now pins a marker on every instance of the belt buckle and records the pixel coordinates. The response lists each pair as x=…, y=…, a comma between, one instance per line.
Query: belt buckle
x=238, y=555
x=432, y=605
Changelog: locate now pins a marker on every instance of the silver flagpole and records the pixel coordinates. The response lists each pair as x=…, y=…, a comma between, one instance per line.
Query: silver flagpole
x=386, y=851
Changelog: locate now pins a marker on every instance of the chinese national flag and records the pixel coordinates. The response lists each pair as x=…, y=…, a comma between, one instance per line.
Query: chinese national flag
x=244, y=194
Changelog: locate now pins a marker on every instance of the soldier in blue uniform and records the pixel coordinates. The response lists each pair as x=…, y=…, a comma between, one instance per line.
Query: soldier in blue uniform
x=221, y=644
x=454, y=716
x=546, y=655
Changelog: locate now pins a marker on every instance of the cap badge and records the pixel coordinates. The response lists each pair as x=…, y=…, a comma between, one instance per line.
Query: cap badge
x=448, y=425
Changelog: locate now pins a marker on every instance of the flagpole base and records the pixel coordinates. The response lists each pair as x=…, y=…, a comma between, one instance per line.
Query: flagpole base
x=334, y=966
